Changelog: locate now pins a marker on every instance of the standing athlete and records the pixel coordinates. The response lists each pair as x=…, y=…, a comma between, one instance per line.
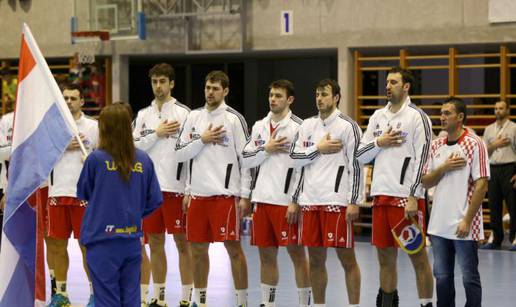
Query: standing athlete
x=275, y=217
x=398, y=139
x=65, y=210
x=155, y=131
x=212, y=140
x=329, y=189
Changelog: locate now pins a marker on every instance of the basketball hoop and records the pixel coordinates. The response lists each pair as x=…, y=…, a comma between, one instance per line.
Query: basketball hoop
x=88, y=43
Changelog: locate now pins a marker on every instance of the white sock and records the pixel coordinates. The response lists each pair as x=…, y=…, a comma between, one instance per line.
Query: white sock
x=186, y=292
x=268, y=295
x=305, y=295
x=424, y=301
x=199, y=296
x=144, y=292
x=353, y=305
x=61, y=287
x=91, y=288
x=319, y=305
x=241, y=296
x=159, y=293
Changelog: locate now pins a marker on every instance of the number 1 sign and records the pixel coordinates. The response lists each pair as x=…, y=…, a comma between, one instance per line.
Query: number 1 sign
x=287, y=23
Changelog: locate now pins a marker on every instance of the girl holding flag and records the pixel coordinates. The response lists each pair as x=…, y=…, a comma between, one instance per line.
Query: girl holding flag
x=121, y=188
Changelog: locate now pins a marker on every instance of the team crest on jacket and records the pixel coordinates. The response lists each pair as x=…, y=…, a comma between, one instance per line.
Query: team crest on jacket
x=259, y=141
x=194, y=135
x=308, y=142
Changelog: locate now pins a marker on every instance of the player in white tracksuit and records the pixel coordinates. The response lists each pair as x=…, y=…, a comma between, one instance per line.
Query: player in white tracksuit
x=397, y=138
x=156, y=130
x=275, y=216
x=329, y=189
x=212, y=140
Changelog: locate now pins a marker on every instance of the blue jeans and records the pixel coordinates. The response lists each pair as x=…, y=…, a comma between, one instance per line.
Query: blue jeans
x=444, y=265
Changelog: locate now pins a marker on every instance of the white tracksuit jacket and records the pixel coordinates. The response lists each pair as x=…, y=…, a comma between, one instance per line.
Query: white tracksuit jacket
x=275, y=176
x=397, y=170
x=170, y=171
x=328, y=179
x=215, y=169
x=63, y=178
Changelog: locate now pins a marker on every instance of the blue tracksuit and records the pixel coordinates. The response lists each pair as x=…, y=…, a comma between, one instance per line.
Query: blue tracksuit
x=111, y=226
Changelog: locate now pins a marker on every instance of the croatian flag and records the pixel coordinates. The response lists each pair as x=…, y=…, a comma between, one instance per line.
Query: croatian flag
x=43, y=128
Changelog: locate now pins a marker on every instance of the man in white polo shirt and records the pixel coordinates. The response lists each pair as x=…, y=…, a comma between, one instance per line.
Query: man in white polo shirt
x=458, y=168
x=500, y=138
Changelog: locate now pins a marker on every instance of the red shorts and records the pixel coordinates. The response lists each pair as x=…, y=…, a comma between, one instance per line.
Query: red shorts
x=270, y=227
x=40, y=198
x=387, y=213
x=326, y=226
x=213, y=219
x=168, y=217
x=64, y=216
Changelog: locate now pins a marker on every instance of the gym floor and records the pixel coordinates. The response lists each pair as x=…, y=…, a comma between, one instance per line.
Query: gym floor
x=497, y=270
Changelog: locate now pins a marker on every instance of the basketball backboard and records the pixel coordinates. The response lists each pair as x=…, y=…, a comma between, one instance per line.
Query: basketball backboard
x=123, y=19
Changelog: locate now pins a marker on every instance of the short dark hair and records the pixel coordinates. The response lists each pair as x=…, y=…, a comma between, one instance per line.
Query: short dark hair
x=406, y=75
x=283, y=84
x=163, y=69
x=218, y=76
x=335, y=88
x=73, y=87
x=460, y=106
x=507, y=106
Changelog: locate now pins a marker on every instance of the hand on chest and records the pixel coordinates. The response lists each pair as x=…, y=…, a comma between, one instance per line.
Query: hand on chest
x=458, y=151
x=318, y=134
x=280, y=134
x=215, y=126
x=394, y=125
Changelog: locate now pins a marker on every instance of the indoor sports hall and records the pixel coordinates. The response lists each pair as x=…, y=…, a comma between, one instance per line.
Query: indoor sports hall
x=459, y=54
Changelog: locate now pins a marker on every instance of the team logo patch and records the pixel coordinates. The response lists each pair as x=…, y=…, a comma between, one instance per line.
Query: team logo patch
x=259, y=141
x=409, y=236
x=110, y=228
x=308, y=142
x=222, y=229
x=330, y=236
x=404, y=135
x=284, y=234
x=178, y=222
x=194, y=135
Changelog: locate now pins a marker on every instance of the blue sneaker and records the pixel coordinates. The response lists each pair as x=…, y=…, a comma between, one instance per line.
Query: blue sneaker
x=490, y=246
x=91, y=302
x=59, y=300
